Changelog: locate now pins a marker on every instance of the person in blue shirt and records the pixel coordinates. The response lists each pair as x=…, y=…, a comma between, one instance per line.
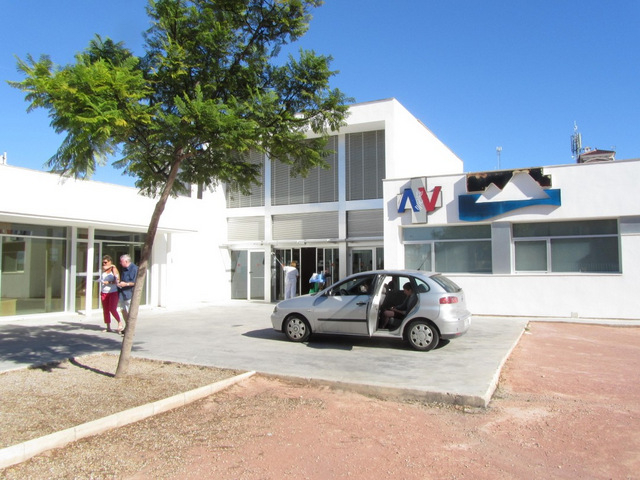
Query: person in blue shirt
x=127, y=282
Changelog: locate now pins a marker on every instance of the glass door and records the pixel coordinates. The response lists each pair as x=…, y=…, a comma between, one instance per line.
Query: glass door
x=84, y=284
x=100, y=248
x=256, y=275
x=365, y=259
x=280, y=258
x=361, y=260
x=239, y=274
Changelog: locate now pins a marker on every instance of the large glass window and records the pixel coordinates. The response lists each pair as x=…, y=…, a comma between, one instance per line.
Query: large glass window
x=579, y=246
x=418, y=257
x=459, y=249
x=32, y=270
x=13, y=252
x=531, y=255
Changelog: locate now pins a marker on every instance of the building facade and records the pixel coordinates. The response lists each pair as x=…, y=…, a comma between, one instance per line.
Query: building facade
x=332, y=220
x=560, y=241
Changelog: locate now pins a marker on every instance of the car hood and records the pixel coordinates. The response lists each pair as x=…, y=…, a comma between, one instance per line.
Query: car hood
x=297, y=303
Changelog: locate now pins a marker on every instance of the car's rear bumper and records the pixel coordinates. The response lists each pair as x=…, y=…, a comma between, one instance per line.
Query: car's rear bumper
x=455, y=327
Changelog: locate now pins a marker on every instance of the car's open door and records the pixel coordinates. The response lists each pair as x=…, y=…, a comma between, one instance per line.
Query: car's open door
x=376, y=302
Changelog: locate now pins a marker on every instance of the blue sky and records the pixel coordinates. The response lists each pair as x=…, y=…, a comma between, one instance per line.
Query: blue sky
x=478, y=74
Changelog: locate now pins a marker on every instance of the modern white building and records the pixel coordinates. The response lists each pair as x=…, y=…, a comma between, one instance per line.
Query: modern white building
x=558, y=241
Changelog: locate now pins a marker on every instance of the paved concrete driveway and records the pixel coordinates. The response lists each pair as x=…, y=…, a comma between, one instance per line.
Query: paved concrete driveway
x=238, y=335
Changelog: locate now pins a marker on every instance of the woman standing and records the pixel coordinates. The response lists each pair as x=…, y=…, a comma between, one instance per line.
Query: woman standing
x=109, y=292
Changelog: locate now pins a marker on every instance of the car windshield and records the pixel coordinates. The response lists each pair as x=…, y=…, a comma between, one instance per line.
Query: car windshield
x=446, y=283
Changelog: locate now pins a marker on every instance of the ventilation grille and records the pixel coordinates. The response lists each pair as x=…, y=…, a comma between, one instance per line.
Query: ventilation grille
x=305, y=226
x=365, y=223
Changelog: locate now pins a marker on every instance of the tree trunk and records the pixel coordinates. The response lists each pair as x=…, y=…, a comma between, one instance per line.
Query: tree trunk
x=130, y=330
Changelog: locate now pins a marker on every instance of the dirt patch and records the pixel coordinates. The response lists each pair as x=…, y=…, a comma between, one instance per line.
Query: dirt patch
x=45, y=399
x=566, y=407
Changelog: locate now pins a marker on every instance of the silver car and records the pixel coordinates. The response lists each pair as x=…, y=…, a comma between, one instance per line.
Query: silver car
x=356, y=306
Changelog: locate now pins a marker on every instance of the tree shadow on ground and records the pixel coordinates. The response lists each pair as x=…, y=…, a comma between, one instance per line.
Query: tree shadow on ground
x=40, y=345
x=76, y=363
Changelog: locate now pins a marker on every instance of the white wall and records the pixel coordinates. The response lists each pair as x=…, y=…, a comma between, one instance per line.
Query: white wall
x=186, y=259
x=57, y=201
x=588, y=191
x=411, y=148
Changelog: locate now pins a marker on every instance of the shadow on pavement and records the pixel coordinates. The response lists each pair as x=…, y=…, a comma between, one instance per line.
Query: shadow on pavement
x=37, y=345
x=266, y=334
x=337, y=342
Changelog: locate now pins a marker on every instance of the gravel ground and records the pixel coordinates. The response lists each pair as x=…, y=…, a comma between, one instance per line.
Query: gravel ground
x=566, y=407
x=49, y=398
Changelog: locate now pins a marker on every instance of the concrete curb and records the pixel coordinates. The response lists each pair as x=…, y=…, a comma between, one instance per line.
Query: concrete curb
x=24, y=451
x=493, y=384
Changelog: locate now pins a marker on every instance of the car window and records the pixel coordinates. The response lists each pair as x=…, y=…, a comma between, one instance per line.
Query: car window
x=446, y=283
x=362, y=285
x=402, y=281
x=422, y=286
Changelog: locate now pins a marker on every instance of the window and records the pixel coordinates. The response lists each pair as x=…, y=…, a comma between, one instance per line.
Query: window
x=459, y=249
x=365, y=163
x=13, y=254
x=579, y=246
x=33, y=270
x=362, y=285
x=236, y=198
x=319, y=186
x=418, y=257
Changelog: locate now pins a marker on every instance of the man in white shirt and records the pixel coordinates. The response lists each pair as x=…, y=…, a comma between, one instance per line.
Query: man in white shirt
x=290, y=280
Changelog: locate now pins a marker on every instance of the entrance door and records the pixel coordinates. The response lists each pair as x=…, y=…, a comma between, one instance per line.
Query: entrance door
x=84, y=284
x=247, y=275
x=282, y=257
x=361, y=260
x=256, y=276
x=101, y=248
x=365, y=259
x=239, y=274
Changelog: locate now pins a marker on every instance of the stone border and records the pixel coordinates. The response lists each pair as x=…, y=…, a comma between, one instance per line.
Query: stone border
x=23, y=451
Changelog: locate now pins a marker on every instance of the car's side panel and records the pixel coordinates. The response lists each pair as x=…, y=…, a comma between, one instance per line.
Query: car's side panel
x=341, y=314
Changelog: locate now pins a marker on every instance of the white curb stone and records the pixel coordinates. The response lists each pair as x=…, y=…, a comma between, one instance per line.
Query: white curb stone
x=23, y=451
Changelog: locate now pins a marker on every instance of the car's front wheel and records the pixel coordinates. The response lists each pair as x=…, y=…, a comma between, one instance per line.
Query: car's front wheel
x=297, y=329
x=423, y=336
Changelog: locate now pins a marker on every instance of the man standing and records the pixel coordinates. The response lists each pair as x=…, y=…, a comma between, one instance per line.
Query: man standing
x=290, y=280
x=127, y=282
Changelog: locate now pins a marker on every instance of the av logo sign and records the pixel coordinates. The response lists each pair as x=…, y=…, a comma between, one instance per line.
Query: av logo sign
x=419, y=200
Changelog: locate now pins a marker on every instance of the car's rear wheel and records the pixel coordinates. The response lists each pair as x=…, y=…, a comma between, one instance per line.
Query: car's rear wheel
x=297, y=329
x=422, y=335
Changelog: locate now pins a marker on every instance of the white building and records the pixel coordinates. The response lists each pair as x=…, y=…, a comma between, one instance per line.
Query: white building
x=560, y=241
x=531, y=257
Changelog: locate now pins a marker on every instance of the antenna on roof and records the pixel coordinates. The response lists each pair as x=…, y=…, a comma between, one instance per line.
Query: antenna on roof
x=576, y=142
x=498, y=152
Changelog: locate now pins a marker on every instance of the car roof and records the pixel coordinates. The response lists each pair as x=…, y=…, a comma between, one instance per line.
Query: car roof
x=420, y=273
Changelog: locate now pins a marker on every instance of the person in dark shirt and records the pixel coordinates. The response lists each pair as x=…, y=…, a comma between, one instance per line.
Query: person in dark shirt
x=126, y=284
x=401, y=311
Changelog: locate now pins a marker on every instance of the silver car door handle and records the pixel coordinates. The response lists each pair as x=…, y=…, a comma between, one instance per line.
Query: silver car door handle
x=361, y=303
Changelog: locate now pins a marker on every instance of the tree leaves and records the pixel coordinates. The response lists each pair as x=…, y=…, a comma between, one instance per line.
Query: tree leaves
x=206, y=93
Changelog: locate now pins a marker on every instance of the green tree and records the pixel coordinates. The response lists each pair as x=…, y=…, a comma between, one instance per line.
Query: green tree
x=209, y=89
